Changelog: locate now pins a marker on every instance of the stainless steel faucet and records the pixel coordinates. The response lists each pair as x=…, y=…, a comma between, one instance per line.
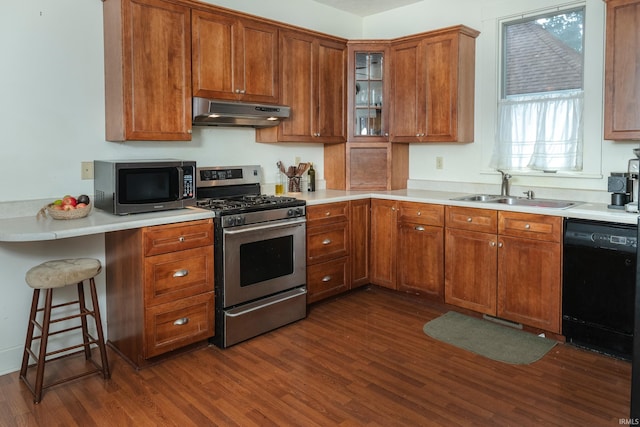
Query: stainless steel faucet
x=506, y=183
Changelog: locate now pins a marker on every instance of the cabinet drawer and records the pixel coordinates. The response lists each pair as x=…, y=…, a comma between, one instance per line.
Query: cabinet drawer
x=484, y=220
x=421, y=213
x=177, y=275
x=531, y=226
x=179, y=323
x=327, y=279
x=163, y=239
x=327, y=213
x=327, y=242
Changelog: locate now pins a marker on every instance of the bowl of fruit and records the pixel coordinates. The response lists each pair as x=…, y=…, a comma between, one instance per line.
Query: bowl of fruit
x=68, y=207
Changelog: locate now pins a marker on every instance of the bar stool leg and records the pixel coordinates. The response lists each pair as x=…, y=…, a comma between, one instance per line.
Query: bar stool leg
x=106, y=372
x=43, y=346
x=83, y=321
x=30, y=327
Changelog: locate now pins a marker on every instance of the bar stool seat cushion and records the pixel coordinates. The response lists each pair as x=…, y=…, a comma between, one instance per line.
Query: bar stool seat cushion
x=62, y=272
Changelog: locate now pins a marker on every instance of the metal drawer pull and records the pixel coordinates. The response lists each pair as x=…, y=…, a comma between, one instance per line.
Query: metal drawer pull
x=181, y=321
x=181, y=273
x=327, y=214
x=181, y=238
x=326, y=241
x=492, y=244
x=527, y=226
x=419, y=228
x=326, y=278
x=469, y=219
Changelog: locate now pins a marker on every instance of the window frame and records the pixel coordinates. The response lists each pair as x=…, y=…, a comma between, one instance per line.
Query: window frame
x=593, y=83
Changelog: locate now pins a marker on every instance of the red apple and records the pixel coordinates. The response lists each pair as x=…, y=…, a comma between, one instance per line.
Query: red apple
x=81, y=205
x=68, y=207
x=69, y=201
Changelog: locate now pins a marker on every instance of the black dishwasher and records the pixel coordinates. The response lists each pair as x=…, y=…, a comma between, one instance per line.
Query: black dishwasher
x=598, y=286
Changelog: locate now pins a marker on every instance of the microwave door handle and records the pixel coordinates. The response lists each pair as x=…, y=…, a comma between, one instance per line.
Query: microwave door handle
x=181, y=183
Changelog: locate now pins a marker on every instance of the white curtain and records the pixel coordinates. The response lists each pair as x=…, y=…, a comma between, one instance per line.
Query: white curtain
x=540, y=132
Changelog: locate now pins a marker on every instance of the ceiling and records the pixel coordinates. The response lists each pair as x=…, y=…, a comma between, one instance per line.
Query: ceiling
x=366, y=7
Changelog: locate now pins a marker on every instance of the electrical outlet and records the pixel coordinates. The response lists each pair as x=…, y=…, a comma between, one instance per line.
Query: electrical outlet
x=439, y=163
x=296, y=161
x=87, y=170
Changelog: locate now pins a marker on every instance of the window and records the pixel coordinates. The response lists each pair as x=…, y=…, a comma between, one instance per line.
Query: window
x=540, y=110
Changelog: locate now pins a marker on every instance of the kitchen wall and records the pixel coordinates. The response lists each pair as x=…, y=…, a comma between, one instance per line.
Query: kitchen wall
x=52, y=117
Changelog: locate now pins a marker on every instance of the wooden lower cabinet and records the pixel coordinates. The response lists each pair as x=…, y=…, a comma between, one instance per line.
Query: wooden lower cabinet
x=360, y=230
x=420, y=252
x=407, y=247
x=384, y=232
x=327, y=250
x=160, y=289
x=513, y=272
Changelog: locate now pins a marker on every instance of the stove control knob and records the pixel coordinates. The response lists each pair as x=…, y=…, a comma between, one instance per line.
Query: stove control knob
x=240, y=220
x=290, y=212
x=299, y=212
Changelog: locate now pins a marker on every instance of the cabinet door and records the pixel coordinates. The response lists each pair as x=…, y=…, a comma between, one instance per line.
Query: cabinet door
x=147, y=74
x=360, y=228
x=529, y=282
x=383, y=242
x=421, y=259
x=441, y=82
x=368, y=89
x=257, y=59
x=234, y=59
x=213, y=56
x=331, y=81
x=408, y=109
x=622, y=72
x=297, y=87
x=471, y=270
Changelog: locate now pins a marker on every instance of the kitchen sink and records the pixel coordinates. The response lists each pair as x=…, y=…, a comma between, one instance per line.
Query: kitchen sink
x=518, y=201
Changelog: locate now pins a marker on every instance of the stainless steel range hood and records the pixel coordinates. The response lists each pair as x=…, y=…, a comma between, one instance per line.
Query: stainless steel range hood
x=209, y=112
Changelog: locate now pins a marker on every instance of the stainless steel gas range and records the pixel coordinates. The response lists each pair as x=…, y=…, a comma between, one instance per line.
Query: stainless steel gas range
x=259, y=251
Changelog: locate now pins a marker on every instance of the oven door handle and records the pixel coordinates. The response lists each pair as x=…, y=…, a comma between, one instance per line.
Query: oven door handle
x=261, y=227
x=295, y=293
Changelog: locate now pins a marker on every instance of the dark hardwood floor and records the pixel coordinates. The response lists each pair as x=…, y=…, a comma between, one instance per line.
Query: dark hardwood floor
x=358, y=360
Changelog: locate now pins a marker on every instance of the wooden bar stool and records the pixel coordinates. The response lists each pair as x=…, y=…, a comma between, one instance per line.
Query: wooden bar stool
x=57, y=274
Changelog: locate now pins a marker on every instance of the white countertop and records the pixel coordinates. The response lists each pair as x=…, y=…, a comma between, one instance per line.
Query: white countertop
x=592, y=211
x=23, y=227
x=30, y=228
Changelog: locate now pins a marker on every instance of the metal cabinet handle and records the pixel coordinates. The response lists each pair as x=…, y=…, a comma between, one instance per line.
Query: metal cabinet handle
x=181, y=321
x=326, y=278
x=326, y=241
x=492, y=244
x=419, y=213
x=469, y=219
x=327, y=213
x=500, y=245
x=527, y=226
x=419, y=228
x=181, y=273
x=181, y=239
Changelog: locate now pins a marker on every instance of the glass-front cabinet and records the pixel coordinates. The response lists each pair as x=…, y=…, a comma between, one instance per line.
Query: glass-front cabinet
x=368, y=83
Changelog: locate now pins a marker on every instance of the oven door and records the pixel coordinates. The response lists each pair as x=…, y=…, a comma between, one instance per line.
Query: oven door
x=263, y=259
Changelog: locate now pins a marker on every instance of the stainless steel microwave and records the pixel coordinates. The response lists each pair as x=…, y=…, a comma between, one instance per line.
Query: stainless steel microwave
x=124, y=187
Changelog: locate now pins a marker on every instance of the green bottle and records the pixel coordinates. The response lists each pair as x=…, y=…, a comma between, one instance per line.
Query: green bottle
x=312, y=178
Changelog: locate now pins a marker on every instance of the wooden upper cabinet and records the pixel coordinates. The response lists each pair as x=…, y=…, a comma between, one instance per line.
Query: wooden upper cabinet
x=433, y=86
x=234, y=58
x=368, y=86
x=313, y=84
x=622, y=71
x=147, y=72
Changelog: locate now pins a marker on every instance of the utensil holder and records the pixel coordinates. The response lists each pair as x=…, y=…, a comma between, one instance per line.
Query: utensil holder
x=294, y=184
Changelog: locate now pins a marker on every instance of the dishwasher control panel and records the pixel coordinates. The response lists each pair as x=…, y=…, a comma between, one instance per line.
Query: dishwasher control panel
x=607, y=236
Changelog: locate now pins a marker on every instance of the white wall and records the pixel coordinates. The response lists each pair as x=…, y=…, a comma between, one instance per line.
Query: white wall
x=52, y=118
